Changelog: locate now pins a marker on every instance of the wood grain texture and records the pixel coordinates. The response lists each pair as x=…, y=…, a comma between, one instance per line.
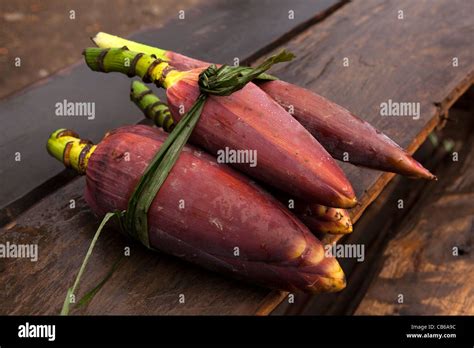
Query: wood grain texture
x=419, y=262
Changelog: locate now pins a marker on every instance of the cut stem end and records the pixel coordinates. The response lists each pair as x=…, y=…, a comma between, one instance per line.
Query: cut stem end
x=66, y=146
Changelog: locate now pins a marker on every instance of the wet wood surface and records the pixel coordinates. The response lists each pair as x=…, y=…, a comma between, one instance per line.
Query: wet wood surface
x=402, y=60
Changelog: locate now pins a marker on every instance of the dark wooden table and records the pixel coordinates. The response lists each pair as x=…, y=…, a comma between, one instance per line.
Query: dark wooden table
x=406, y=60
x=430, y=260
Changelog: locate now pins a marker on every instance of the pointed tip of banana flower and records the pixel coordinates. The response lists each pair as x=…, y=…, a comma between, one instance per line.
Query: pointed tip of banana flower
x=346, y=200
x=424, y=173
x=410, y=167
x=332, y=280
x=335, y=195
x=343, y=194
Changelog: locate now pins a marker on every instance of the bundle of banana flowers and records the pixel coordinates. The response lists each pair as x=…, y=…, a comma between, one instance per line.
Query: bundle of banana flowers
x=178, y=199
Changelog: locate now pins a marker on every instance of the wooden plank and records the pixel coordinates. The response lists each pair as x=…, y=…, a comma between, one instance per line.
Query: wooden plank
x=28, y=118
x=145, y=283
x=419, y=262
x=404, y=60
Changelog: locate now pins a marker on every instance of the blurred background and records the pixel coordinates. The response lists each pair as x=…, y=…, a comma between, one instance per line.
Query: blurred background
x=28, y=26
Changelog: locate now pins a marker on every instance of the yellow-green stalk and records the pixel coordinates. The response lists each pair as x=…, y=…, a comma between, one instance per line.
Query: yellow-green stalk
x=148, y=67
x=151, y=105
x=180, y=62
x=66, y=146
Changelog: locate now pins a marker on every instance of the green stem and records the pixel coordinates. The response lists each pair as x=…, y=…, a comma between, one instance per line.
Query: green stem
x=66, y=146
x=131, y=63
x=151, y=106
x=104, y=40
